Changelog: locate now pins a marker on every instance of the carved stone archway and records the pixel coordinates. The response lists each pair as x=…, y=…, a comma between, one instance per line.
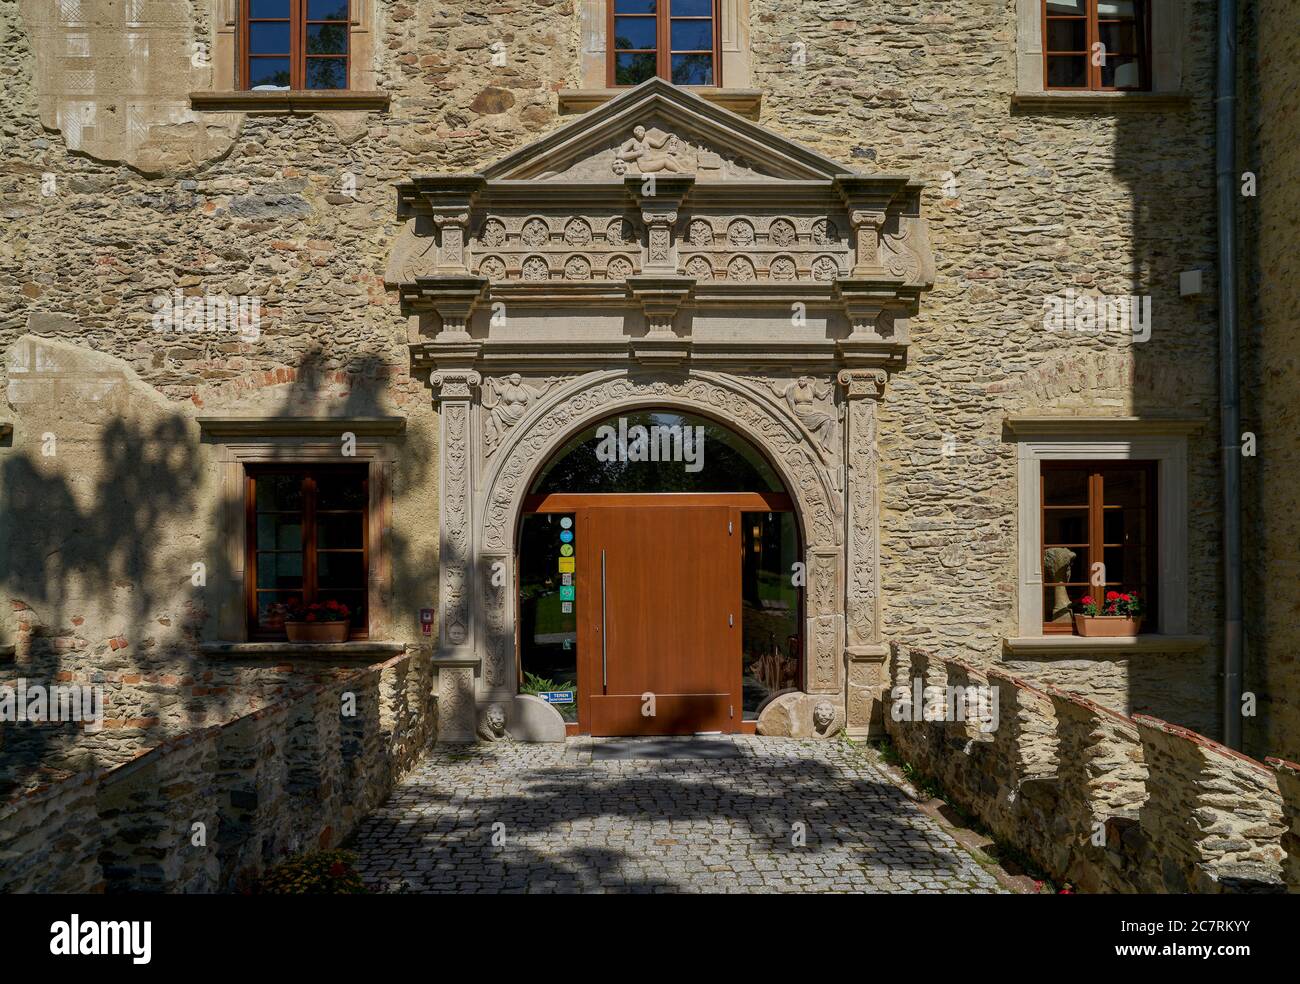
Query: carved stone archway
x=660, y=251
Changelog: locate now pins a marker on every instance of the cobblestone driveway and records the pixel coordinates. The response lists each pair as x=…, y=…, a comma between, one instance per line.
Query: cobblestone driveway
x=586, y=817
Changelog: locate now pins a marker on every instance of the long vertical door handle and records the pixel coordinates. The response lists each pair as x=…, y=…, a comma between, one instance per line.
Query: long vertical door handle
x=604, y=631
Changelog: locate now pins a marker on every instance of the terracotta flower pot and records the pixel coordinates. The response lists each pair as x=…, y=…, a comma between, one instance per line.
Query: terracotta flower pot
x=316, y=631
x=1107, y=626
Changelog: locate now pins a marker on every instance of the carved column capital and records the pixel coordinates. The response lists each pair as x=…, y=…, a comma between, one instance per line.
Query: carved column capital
x=859, y=383
x=454, y=384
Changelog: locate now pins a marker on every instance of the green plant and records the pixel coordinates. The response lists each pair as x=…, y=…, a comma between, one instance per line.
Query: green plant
x=314, y=873
x=534, y=684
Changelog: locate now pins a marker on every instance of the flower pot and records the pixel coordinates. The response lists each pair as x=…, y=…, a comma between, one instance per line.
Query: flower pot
x=316, y=631
x=1107, y=626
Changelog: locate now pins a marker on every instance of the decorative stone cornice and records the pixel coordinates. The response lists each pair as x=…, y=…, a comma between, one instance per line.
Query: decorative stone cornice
x=224, y=427
x=1049, y=427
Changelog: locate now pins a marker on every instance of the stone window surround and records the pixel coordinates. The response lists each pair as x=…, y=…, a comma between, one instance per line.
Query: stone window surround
x=1163, y=440
x=735, y=70
x=241, y=441
x=1168, y=33
x=225, y=96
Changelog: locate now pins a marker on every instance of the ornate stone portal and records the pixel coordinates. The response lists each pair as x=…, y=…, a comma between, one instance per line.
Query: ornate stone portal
x=660, y=251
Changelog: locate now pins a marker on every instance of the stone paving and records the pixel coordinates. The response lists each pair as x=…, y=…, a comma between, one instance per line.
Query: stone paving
x=596, y=815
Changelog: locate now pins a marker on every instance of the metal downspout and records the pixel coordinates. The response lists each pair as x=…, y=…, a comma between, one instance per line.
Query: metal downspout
x=1229, y=384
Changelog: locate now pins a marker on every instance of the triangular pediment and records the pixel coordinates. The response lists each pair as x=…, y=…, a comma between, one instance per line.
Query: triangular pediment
x=658, y=128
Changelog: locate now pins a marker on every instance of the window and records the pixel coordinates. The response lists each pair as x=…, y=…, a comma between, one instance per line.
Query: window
x=1119, y=31
x=294, y=44
x=307, y=541
x=676, y=40
x=1097, y=513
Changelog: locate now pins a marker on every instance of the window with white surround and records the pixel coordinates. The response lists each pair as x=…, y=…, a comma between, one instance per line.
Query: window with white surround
x=1121, y=447
x=1055, y=42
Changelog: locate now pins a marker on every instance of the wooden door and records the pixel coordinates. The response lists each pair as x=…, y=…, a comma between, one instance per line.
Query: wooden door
x=659, y=597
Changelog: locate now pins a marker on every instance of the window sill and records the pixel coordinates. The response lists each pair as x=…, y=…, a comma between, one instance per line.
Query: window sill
x=361, y=647
x=1065, y=645
x=1100, y=101
x=743, y=102
x=300, y=102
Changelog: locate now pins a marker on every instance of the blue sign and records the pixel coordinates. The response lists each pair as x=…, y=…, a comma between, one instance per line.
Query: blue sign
x=557, y=696
x=566, y=536
x=566, y=592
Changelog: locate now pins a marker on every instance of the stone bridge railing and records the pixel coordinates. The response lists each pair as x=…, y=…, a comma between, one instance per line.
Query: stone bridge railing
x=295, y=775
x=1107, y=802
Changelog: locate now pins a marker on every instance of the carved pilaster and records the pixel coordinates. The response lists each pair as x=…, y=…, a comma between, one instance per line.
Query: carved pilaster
x=659, y=199
x=457, y=714
x=864, y=652
x=453, y=230
x=453, y=391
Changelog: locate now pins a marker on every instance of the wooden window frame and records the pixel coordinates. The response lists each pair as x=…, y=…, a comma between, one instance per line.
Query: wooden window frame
x=298, y=56
x=1096, y=527
x=663, y=38
x=1092, y=32
x=310, y=587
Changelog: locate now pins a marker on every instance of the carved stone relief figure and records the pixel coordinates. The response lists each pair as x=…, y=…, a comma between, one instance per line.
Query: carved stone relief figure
x=650, y=155
x=811, y=402
x=505, y=402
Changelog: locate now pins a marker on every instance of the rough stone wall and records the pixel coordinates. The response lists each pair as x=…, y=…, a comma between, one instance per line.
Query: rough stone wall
x=1270, y=328
x=1022, y=204
x=294, y=775
x=1107, y=802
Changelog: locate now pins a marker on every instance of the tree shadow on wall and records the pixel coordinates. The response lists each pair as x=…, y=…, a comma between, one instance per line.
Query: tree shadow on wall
x=126, y=545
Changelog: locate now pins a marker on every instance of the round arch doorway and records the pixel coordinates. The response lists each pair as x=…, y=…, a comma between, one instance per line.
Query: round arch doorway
x=659, y=589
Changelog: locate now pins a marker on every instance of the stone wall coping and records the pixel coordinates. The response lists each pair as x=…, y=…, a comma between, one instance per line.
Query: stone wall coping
x=1020, y=683
x=177, y=742
x=1073, y=701
x=1146, y=721
x=1072, y=645
x=1283, y=765
x=289, y=102
x=744, y=102
x=298, y=426
x=48, y=790
x=1100, y=102
x=360, y=647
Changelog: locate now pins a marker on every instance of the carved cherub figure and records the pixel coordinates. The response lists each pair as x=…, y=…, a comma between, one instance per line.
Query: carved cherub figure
x=650, y=154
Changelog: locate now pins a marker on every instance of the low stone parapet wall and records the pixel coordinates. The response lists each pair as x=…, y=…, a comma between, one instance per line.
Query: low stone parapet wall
x=1107, y=802
x=209, y=810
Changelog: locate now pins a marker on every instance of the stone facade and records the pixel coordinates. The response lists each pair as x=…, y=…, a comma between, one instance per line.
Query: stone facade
x=909, y=512
x=1269, y=147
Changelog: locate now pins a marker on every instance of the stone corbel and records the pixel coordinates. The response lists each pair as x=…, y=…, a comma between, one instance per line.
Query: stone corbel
x=447, y=201
x=452, y=299
x=659, y=197
x=660, y=298
x=877, y=311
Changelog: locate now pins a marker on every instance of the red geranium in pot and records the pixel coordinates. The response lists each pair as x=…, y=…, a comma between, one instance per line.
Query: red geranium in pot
x=321, y=621
x=1118, y=614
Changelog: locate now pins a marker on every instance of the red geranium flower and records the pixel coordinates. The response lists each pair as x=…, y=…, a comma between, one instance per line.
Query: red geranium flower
x=1112, y=596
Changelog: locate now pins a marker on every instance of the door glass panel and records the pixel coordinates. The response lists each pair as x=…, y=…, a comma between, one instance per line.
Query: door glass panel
x=771, y=642
x=657, y=451
x=548, y=620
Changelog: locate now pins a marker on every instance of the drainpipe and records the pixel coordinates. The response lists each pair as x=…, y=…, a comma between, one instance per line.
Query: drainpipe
x=1229, y=388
